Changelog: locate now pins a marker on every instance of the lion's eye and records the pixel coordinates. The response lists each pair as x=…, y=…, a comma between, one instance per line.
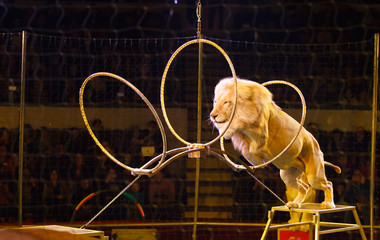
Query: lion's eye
x=226, y=102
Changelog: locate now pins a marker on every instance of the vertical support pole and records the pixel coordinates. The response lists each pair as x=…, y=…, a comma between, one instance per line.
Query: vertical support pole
x=21, y=127
x=316, y=220
x=374, y=125
x=199, y=120
x=267, y=226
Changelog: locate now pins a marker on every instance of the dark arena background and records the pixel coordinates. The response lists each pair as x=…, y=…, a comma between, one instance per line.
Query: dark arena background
x=54, y=175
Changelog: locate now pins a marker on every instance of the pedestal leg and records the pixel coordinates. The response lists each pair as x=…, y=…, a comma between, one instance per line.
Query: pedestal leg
x=270, y=218
x=316, y=220
x=357, y=220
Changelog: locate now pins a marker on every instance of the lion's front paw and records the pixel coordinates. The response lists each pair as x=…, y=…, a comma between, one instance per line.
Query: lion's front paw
x=327, y=205
x=293, y=205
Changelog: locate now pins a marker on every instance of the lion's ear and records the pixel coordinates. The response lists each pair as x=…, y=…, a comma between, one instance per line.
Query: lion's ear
x=246, y=92
x=254, y=92
x=260, y=94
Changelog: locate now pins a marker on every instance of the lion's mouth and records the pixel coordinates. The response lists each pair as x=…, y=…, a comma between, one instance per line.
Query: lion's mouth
x=220, y=122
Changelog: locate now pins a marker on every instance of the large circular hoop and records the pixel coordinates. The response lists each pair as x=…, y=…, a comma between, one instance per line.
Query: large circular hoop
x=163, y=90
x=299, y=129
x=161, y=127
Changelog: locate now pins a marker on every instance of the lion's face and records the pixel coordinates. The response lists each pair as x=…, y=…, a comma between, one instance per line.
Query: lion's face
x=223, y=106
x=252, y=97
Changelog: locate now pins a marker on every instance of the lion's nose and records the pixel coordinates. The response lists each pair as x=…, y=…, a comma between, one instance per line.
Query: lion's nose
x=213, y=116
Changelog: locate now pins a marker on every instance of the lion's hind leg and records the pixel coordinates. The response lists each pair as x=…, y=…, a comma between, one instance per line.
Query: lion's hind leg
x=294, y=178
x=295, y=217
x=327, y=188
x=317, y=179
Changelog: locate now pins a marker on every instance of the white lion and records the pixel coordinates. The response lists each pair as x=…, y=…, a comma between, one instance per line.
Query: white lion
x=260, y=130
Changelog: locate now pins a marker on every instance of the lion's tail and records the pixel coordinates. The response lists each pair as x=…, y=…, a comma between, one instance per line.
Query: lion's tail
x=336, y=168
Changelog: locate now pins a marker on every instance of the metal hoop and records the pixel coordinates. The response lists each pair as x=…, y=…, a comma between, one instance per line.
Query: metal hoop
x=161, y=127
x=163, y=90
x=294, y=138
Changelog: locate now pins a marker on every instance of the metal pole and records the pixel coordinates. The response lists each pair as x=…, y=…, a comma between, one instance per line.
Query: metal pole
x=21, y=127
x=374, y=125
x=199, y=121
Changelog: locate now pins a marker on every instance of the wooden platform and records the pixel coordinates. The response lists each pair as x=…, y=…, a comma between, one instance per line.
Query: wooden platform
x=50, y=232
x=316, y=224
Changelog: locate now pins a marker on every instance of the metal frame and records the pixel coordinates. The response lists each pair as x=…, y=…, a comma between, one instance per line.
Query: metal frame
x=315, y=225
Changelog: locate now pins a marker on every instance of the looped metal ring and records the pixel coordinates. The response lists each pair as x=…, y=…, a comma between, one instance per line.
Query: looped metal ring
x=161, y=127
x=163, y=89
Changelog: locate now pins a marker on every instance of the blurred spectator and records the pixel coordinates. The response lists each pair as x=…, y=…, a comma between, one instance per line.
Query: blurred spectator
x=340, y=193
x=348, y=98
x=8, y=163
x=82, y=189
x=136, y=141
x=337, y=141
x=161, y=193
x=30, y=139
x=103, y=162
x=32, y=190
x=161, y=189
x=345, y=166
x=7, y=201
x=111, y=184
x=55, y=190
x=327, y=92
x=56, y=196
x=76, y=141
x=79, y=168
x=360, y=141
x=111, y=181
x=153, y=137
x=363, y=162
x=59, y=160
x=363, y=97
x=4, y=138
x=43, y=142
x=358, y=195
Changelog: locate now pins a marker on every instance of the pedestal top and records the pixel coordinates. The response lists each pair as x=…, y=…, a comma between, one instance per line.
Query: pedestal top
x=314, y=208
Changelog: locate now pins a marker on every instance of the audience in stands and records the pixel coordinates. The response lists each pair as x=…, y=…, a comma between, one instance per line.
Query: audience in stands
x=57, y=174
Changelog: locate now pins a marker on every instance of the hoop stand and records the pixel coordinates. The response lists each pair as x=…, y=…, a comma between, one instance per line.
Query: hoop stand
x=193, y=150
x=315, y=225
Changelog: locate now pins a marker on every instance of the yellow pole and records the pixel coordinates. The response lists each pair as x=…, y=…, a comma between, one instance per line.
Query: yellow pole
x=199, y=121
x=21, y=127
x=374, y=125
